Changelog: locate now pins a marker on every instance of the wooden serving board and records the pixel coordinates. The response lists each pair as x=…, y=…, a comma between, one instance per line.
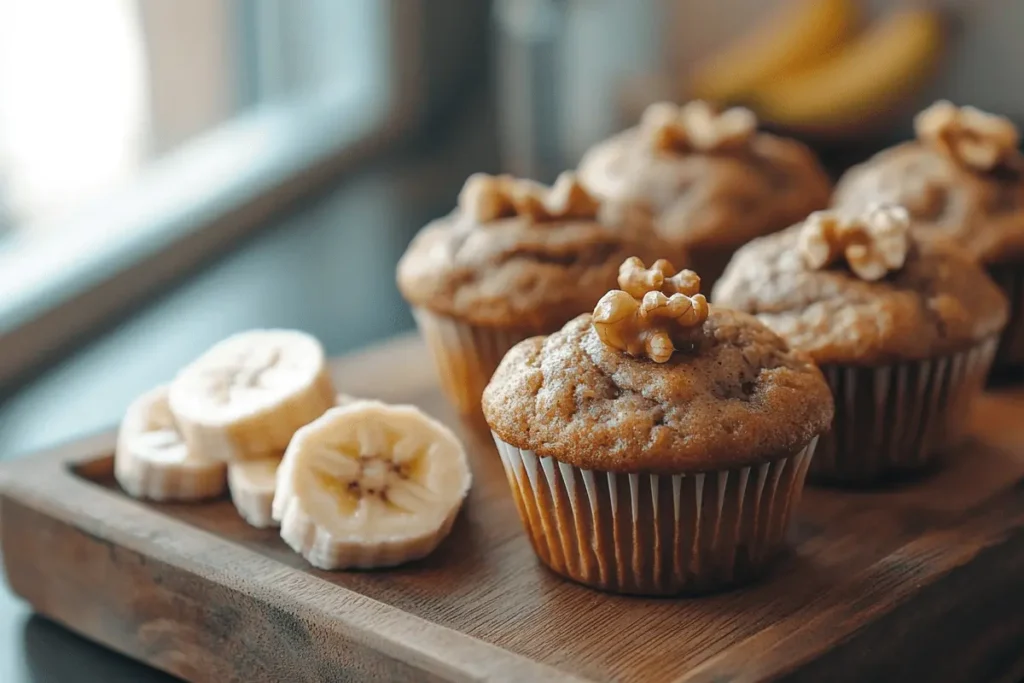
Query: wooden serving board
x=923, y=582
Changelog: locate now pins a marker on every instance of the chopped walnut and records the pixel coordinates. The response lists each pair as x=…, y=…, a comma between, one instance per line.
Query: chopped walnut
x=976, y=139
x=697, y=127
x=641, y=319
x=637, y=279
x=873, y=242
x=487, y=198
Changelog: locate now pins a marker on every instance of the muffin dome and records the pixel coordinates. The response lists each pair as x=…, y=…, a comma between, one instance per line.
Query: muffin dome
x=736, y=395
x=711, y=180
x=962, y=178
x=515, y=254
x=861, y=307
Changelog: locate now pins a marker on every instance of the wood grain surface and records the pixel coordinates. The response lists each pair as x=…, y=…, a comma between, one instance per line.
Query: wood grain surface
x=919, y=582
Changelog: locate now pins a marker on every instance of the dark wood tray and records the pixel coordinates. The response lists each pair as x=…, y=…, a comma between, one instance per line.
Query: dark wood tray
x=923, y=582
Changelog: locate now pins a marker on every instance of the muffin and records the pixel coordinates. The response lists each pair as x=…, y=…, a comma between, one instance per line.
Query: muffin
x=657, y=446
x=962, y=178
x=711, y=179
x=514, y=260
x=904, y=329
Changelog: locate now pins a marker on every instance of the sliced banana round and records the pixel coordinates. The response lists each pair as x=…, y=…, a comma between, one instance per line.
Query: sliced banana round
x=245, y=397
x=370, y=485
x=152, y=461
x=252, y=484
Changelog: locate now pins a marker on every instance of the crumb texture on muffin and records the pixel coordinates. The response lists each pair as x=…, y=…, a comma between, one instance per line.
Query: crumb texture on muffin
x=708, y=196
x=939, y=302
x=517, y=272
x=962, y=178
x=738, y=396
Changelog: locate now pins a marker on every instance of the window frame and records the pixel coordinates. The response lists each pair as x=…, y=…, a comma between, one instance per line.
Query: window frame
x=196, y=202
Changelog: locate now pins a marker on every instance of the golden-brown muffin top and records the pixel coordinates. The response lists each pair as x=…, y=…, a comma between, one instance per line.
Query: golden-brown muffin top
x=735, y=395
x=860, y=288
x=710, y=178
x=516, y=254
x=963, y=177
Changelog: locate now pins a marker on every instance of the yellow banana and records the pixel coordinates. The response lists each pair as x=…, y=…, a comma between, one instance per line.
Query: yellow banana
x=804, y=34
x=870, y=75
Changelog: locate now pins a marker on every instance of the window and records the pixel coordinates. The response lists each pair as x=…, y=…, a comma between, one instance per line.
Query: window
x=139, y=136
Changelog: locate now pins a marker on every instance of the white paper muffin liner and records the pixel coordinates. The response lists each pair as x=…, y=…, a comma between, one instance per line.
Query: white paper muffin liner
x=655, y=534
x=1010, y=279
x=898, y=418
x=465, y=355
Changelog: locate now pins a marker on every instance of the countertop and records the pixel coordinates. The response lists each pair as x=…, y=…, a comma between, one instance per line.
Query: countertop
x=326, y=267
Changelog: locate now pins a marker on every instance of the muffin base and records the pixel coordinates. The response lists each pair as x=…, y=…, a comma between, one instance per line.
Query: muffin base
x=897, y=419
x=1010, y=278
x=465, y=356
x=649, y=534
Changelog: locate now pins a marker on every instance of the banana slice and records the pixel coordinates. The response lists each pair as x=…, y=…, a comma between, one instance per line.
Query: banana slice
x=252, y=484
x=152, y=460
x=245, y=397
x=370, y=485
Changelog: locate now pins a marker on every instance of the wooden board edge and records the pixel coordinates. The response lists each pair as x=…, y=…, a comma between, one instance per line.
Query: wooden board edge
x=45, y=486
x=885, y=596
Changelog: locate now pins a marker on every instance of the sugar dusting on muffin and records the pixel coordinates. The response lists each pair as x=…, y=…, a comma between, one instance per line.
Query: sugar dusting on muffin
x=698, y=127
x=655, y=310
x=486, y=198
x=972, y=138
x=873, y=242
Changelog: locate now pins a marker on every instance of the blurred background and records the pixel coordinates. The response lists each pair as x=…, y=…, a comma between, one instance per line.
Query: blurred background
x=149, y=146
x=220, y=164
x=172, y=171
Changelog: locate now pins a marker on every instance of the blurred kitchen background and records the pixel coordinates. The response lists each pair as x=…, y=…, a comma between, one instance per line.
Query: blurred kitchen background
x=172, y=171
x=209, y=165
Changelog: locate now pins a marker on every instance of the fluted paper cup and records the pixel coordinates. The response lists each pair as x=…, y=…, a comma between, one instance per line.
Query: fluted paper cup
x=1010, y=279
x=465, y=356
x=650, y=534
x=898, y=419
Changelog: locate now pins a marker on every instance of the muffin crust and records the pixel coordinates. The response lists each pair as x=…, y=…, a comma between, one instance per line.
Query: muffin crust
x=963, y=177
x=738, y=396
x=514, y=272
x=709, y=200
x=939, y=302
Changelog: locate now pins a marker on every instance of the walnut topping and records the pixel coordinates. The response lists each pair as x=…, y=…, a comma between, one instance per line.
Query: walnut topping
x=697, y=127
x=655, y=310
x=873, y=242
x=976, y=139
x=486, y=198
x=636, y=279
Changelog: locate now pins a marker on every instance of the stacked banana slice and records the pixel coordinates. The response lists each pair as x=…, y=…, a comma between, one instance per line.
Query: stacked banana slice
x=360, y=485
x=152, y=460
x=245, y=397
x=252, y=484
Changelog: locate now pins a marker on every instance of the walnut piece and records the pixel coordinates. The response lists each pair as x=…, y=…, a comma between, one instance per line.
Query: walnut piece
x=636, y=279
x=486, y=198
x=656, y=310
x=873, y=242
x=697, y=127
x=975, y=139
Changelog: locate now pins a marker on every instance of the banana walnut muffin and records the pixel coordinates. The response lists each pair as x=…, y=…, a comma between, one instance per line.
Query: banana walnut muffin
x=904, y=329
x=712, y=180
x=514, y=259
x=962, y=178
x=658, y=429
